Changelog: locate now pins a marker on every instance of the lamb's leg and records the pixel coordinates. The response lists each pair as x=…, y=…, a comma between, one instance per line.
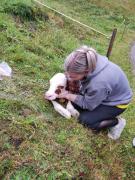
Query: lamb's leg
x=60, y=109
x=72, y=110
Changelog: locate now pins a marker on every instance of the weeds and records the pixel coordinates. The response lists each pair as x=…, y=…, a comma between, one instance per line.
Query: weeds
x=25, y=12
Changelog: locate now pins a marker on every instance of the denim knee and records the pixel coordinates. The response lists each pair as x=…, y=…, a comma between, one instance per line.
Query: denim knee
x=83, y=119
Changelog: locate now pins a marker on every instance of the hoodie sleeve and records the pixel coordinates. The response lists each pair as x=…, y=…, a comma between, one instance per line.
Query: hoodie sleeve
x=93, y=97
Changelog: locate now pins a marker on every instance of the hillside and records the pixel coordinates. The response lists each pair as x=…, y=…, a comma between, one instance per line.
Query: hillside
x=35, y=141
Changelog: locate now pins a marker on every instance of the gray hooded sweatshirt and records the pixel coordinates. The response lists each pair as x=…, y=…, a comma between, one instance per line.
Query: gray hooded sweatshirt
x=107, y=85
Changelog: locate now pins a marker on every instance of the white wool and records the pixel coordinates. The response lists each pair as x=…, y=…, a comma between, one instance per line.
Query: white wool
x=60, y=79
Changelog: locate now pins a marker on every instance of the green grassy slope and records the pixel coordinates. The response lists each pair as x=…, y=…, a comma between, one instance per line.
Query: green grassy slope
x=35, y=141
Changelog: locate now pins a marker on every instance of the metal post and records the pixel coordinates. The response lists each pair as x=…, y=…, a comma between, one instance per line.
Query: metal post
x=111, y=43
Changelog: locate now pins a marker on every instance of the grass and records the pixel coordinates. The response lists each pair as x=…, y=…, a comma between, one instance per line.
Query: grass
x=35, y=141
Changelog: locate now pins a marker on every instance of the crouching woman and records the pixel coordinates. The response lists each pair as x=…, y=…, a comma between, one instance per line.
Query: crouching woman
x=104, y=90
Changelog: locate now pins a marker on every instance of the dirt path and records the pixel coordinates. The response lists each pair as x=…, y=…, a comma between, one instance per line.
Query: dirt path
x=132, y=55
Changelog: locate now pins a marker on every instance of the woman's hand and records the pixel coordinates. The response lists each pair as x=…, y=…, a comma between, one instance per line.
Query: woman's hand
x=63, y=94
x=67, y=95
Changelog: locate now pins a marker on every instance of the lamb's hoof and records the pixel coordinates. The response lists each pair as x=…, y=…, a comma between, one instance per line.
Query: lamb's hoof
x=75, y=114
x=66, y=114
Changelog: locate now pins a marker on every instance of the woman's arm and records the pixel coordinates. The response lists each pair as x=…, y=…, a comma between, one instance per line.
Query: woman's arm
x=94, y=96
x=67, y=95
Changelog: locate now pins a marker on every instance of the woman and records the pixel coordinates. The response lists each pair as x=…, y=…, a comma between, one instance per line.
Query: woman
x=104, y=90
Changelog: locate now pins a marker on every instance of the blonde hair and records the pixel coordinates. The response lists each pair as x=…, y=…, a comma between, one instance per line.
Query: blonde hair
x=81, y=60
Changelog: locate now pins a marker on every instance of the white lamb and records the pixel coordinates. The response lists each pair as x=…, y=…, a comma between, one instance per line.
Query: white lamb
x=57, y=81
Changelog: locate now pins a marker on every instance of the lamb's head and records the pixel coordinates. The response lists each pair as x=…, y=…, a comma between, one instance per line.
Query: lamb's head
x=57, y=83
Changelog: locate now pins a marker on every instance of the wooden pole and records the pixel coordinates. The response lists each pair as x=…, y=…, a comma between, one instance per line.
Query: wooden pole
x=111, y=42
